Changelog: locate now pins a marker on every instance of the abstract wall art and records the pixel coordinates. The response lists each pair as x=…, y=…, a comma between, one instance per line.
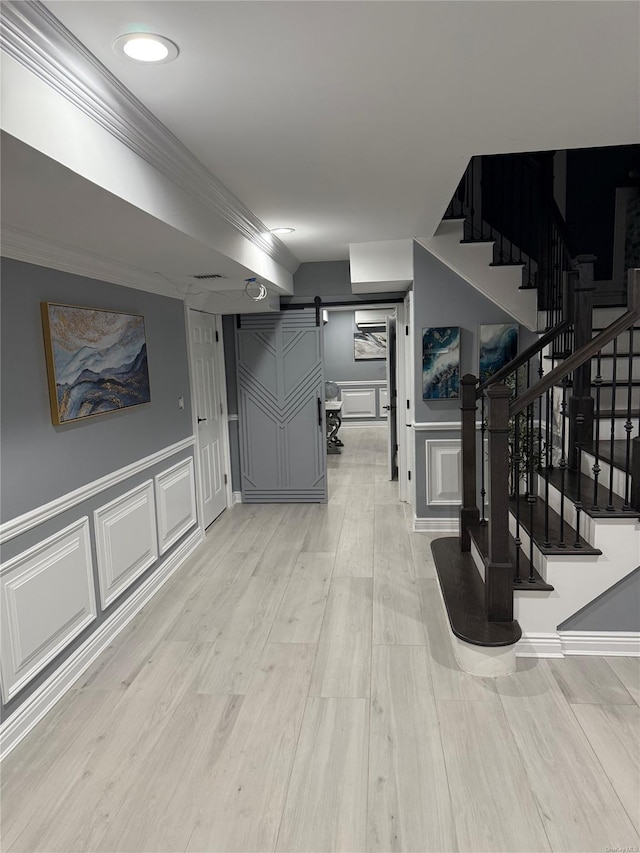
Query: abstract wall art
x=96, y=361
x=369, y=345
x=441, y=363
x=498, y=346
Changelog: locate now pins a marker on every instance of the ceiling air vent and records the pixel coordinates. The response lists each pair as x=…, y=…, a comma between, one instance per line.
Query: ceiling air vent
x=209, y=276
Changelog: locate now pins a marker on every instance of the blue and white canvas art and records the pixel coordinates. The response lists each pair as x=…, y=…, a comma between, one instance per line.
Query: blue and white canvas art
x=498, y=346
x=96, y=361
x=441, y=363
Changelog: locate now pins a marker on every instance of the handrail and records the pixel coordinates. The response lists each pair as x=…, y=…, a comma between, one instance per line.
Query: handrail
x=578, y=358
x=523, y=357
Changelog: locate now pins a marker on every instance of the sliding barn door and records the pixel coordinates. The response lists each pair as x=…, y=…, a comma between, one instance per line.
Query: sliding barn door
x=281, y=408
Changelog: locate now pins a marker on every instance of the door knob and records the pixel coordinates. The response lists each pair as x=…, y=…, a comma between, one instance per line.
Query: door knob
x=200, y=420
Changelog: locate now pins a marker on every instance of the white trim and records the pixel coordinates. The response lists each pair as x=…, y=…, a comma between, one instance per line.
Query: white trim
x=610, y=643
x=539, y=646
x=355, y=423
x=237, y=498
x=435, y=451
x=105, y=518
x=21, y=523
x=365, y=383
x=439, y=425
x=233, y=418
x=484, y=661
x=18, y=666
x=436, y=525
x=40, y=43
x=167, y=535
x=34, y=708
x=557, y=644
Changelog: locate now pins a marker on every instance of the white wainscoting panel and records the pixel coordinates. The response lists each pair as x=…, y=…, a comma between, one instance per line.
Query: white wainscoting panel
x=126, y=540
x=176, y=502
x=48, y=598
x=383, y=400
x=358, y=403
x=443, y=460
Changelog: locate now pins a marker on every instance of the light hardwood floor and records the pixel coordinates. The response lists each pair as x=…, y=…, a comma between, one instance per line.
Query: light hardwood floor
x=293, y=688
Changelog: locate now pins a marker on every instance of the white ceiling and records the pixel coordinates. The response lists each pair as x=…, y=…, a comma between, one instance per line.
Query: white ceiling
x=353, y=121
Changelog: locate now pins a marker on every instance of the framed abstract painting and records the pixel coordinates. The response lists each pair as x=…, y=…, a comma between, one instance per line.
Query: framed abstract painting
x=96, y=361
x=441, y=363
x=498, y=346
x=369, y=346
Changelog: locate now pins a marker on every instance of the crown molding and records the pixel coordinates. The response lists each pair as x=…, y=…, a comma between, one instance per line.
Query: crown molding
x=37, y=40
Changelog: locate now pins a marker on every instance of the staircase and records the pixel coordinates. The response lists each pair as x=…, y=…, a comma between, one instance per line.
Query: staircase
x=557, y=455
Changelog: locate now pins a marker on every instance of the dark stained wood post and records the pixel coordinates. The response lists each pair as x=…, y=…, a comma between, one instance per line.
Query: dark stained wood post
x=469, y=513
x=499, y=571
x=581, y=402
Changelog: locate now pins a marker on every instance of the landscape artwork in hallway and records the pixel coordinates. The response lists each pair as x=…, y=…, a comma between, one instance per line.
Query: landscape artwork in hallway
x=96, y=361
x=498, y=346
x=441, y=363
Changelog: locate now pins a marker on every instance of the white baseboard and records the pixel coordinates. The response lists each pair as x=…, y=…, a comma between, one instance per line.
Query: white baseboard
x=237, y=498
x=351, y=424
x=33, y=709
x=539, y=646
x=436, y=525
x=562, y=643
x=610, y=643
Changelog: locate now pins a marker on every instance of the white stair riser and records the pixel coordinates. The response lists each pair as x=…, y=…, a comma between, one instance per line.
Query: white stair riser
x=619, y=477
x=621, y=398
x=587, y=529
x=622, y=369
x=578, y=580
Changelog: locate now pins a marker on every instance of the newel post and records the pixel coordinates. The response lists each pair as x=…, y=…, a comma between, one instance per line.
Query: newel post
x=469, y=513
x=581, y=401
x=499, y=571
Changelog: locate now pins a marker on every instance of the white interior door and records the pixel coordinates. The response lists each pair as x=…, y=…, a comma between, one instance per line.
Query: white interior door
x=207, y=361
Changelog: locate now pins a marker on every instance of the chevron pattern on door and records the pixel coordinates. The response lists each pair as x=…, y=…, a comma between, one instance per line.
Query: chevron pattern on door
x=281, y=408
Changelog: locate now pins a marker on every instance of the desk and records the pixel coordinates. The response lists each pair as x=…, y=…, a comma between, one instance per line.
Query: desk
x=334, y=422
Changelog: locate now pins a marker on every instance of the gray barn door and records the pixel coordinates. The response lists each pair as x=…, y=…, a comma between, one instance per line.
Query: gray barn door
x=281, y=408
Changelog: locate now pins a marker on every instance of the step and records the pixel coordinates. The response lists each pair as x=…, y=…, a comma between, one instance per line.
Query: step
x=537, y=531
x=599, y=510
x=480, y=538
x=464, y=598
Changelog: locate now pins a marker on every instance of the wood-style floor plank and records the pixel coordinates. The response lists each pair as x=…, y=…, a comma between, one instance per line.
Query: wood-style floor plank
x=354, y=555
x=234, y=649
x=299, y=617
x=409, y=803
x=161, y=811
x=449, y=681
x=325, y=528
x=390, y=531
x=628, y=671
x=242, y=799
x=614, y=734
x=326, y=808
x=579, y=807
x=589, y=679
x=397, y=617
x=343, y=662
x=486, y=780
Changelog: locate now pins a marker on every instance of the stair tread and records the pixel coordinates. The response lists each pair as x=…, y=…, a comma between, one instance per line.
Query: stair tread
x=480, y=535
x=538, y=532
x=572, y=478
x=619, y=455
x=464, y=597
x=507, y=264
x=615, y=413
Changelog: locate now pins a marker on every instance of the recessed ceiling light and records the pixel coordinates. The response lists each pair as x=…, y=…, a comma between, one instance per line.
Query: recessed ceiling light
x=146, y=47
x=282, y=230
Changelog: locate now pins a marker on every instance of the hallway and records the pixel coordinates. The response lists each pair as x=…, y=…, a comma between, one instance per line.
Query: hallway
x=292, y=687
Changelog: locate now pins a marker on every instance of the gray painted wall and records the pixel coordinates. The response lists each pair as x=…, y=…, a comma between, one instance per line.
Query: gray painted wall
x=330, y=280
x=41, y=461
x=443, y=298
x=339, y=362
x=617, y=609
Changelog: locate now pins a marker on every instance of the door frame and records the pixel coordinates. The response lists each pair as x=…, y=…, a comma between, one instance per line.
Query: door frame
x=222, y=380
